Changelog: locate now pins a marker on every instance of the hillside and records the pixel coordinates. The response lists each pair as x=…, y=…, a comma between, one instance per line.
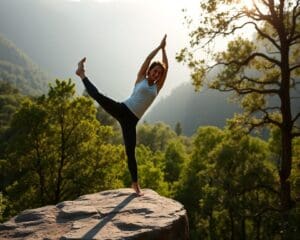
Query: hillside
x=193, y=109
x=207, y=107
x=17, y=69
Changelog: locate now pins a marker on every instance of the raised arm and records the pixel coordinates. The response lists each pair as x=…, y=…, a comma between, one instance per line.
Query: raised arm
x=143, y=70
x=165, y=62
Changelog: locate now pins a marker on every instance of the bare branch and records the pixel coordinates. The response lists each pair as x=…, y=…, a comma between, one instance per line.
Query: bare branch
x=263, y=34
x=219, y=32
x=294, y=20
x=259, y=186
x=260, y=15
x=272, y=52
x=215, y=33
x=271, y=6
x=250, y=57
x=261, y=91
x=271, y=67
x=255, y=125
x=295, y=38
x=271, y=108
x=244, y=91
x=295, y=135
x=259, y=82
x=295, y=118
x=267, y=118
x=294, y=67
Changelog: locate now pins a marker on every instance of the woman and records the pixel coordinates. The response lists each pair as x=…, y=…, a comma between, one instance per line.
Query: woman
x=149, y=82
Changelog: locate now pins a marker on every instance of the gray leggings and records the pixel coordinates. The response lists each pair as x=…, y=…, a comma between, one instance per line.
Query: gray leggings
x=127, y=120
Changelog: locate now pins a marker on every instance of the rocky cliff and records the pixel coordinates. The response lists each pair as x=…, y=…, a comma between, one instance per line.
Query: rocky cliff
x=113, y=214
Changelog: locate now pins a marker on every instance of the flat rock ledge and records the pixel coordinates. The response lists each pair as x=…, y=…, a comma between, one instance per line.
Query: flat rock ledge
x=113, y=214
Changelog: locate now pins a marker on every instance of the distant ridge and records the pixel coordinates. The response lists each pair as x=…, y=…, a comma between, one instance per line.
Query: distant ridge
x=207, y=107
x=19, y=70
x=193, y=109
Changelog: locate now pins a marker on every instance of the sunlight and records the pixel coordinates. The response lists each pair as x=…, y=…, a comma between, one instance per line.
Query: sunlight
x=248, y=4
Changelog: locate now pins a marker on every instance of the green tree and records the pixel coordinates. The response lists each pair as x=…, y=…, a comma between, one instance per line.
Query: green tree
x=57, y=150
x=189, y=189
x=174, y=160
x=9, y=102
x=150, y=170
x=253, y=72
x=228, y=187
x=2, y=206
x=178, y=129
x=155, y=136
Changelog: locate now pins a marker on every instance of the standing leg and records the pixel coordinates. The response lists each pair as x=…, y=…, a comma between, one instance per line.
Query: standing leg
x=129, y=136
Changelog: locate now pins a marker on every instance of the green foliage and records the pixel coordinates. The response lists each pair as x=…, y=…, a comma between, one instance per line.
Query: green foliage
x=9, y=102
x=2, y=206
x=174, y=160
x=155, y=136
x=255, y=70
x=56, y=151
x=227, y=184
x=19, y=70
x=150, y=165
x=178, y=129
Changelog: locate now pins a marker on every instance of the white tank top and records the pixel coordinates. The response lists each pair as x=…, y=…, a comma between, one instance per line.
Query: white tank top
x=141, y=98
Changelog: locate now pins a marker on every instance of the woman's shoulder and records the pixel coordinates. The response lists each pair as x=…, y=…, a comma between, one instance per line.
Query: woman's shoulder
x=141, y=79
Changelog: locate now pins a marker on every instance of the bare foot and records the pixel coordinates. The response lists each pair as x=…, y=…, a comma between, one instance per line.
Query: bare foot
x=137, y=189
x=80, y=70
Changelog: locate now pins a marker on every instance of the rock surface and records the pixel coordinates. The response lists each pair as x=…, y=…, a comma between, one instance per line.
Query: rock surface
x=114, y=214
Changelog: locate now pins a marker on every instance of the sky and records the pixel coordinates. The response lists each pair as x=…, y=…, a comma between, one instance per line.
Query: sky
x=124, y=32
x=136, y=27
x=115, y=35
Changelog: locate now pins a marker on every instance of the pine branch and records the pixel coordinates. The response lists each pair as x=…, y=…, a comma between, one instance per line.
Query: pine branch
x=243, y=91
x=258, y=82
x=294, y=67
x=294, y=20
x=296, y=118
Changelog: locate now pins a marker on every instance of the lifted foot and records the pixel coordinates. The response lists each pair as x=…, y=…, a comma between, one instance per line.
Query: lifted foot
x=80, y=70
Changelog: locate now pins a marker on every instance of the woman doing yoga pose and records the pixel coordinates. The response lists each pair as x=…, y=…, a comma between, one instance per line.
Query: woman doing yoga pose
x=150, y=80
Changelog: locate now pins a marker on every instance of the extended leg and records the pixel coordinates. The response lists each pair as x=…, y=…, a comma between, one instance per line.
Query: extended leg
x=109, y=105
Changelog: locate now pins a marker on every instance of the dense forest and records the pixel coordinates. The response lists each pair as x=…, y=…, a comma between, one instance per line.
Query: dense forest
x=59, y=146
x=56, y=145
x=189, y=108
x=17, y=69
x=192, y=109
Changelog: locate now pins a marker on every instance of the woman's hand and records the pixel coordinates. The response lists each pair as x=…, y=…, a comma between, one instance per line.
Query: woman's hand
x=163, y=42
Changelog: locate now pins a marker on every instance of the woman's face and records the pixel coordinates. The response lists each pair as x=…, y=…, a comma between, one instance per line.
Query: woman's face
x=155, y=73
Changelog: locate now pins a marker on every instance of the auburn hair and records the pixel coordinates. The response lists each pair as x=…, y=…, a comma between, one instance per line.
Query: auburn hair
x=156, y=63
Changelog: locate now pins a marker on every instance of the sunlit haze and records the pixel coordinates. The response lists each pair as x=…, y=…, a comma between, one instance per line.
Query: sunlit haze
x=114, y=35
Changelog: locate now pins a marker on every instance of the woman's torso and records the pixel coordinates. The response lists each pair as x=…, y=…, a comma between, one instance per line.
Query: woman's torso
x=141, y=98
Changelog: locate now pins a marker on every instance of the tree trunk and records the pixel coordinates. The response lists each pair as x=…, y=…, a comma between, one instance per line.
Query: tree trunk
x=62, y=160
x=286, y=130
x=257, y=227
x=212, y=227
x=39, y=170
x=231, y=224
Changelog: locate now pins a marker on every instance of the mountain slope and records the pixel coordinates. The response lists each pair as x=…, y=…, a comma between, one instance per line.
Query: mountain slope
x=19, y=70
x=207, y=107
x=193, y=109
